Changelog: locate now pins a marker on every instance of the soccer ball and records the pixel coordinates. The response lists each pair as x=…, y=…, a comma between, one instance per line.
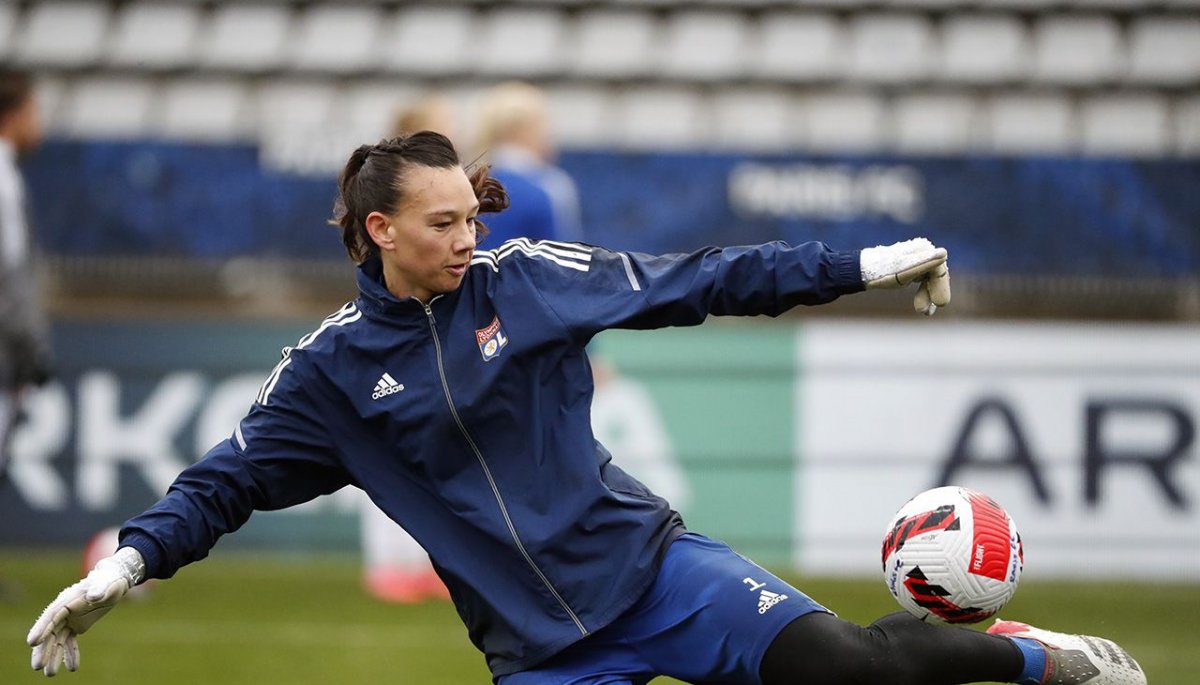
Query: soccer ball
x=952, y=555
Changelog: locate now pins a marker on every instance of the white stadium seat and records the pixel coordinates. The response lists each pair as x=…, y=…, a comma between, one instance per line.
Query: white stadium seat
x=521, y=42
x=1187, y=127
x=843, y=122
x=248, y=37
x=205, y=110
x=615, y=43
x=1105, y=5
x=8, y=21
x=581, y=116
x=936, y=124
x=1030, y=124
x=108, y=108
x=754, y=119
x=63, y=34
x=660, y=118
x=1077, y=49
x=336, y=38
x=983, y=48
x=431, y=40
x=51, y=92
x=295, y=106
x=704, y=45
x=1121, y=125
x=1165, y=50
x=153, y=35
x=794, y=46
x=890, y=48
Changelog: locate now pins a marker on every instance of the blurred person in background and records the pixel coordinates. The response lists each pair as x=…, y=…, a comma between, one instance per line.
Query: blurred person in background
x=395, y=566
x=455, y=390
x=515, y=139
x=24, y=332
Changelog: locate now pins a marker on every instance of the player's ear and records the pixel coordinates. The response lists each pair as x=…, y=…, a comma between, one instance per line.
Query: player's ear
x=379, y=227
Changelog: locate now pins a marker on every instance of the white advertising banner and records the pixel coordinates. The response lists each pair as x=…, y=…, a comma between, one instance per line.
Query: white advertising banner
x=1085, y=433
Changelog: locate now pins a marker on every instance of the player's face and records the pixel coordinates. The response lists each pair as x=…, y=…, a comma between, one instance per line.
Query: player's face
x=432, y=233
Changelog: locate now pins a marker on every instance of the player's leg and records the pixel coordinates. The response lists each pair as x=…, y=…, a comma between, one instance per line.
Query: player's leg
x=897, y=649
x=901, y=650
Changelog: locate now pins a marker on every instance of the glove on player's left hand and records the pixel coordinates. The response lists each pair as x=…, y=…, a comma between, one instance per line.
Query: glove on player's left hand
x=78, y=607
x=895, y=266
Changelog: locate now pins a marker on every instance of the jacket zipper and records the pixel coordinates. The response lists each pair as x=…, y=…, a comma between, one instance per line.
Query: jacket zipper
x=488, y=472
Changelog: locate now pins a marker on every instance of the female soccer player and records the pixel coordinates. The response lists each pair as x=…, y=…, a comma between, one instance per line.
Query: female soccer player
x=455, y=391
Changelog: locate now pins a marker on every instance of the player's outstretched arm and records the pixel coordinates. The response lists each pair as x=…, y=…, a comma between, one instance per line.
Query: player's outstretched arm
x=77, y=608
x=916, y=260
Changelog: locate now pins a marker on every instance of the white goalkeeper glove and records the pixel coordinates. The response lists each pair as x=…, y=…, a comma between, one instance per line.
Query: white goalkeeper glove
x=78, y=607
x=895, y=266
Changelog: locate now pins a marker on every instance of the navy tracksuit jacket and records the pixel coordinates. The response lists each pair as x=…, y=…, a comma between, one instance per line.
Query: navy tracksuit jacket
x=467, y=420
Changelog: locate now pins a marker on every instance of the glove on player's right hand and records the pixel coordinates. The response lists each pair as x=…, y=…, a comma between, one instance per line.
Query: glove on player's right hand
x=77, y=608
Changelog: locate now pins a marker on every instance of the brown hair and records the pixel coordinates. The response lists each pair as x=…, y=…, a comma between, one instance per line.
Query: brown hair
x=16, y=87
x=373, y=181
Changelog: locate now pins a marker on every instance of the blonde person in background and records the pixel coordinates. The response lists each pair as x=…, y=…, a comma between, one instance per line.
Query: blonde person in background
x=515, y=139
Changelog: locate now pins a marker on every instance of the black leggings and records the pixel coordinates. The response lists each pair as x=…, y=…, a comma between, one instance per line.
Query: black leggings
x=821, y=649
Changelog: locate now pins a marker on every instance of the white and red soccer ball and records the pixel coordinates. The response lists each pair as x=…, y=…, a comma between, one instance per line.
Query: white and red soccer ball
x=952, y=555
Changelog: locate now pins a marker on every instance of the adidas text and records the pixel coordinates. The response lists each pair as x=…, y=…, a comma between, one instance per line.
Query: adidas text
x=386, y=386
x=768, y=599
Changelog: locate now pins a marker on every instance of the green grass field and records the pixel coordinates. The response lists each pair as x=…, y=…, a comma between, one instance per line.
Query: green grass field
x=251, y=619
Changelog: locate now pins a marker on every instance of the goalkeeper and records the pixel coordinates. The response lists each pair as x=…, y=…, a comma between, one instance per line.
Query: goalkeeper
x=455, y=390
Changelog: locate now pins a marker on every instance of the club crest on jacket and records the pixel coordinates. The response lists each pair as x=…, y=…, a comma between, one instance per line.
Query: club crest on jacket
x=491, y=339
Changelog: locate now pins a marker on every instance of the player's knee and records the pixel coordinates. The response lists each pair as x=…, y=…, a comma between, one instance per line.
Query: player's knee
x=821, y=648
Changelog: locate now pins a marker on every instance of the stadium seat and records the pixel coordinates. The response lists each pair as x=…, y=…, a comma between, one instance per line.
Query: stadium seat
x=984, y=49
x=520, y=42
x=336, y=38
x=106, y=107
x=660, y=118
x=204, y=110
x=248, y=37
x=615, y=43
x=704, y=45
x=754, y=119
x=890, y=48
x=431, y=40
x=8, y=21
x=843, y=122
x=1187, y=127
x=1165, y=50
x=294, y=106
x=1029, y=124
x=50, y=92
x=1137, y=125
x=794, y=46
x=62, y=34
x=1109, y=5
x=1077, y=50
x=151, y=35
x=1032, y=6
x=936, y=124
x=580, y=116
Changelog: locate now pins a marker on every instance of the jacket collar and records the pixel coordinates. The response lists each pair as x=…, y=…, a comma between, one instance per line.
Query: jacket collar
x=375, y=299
